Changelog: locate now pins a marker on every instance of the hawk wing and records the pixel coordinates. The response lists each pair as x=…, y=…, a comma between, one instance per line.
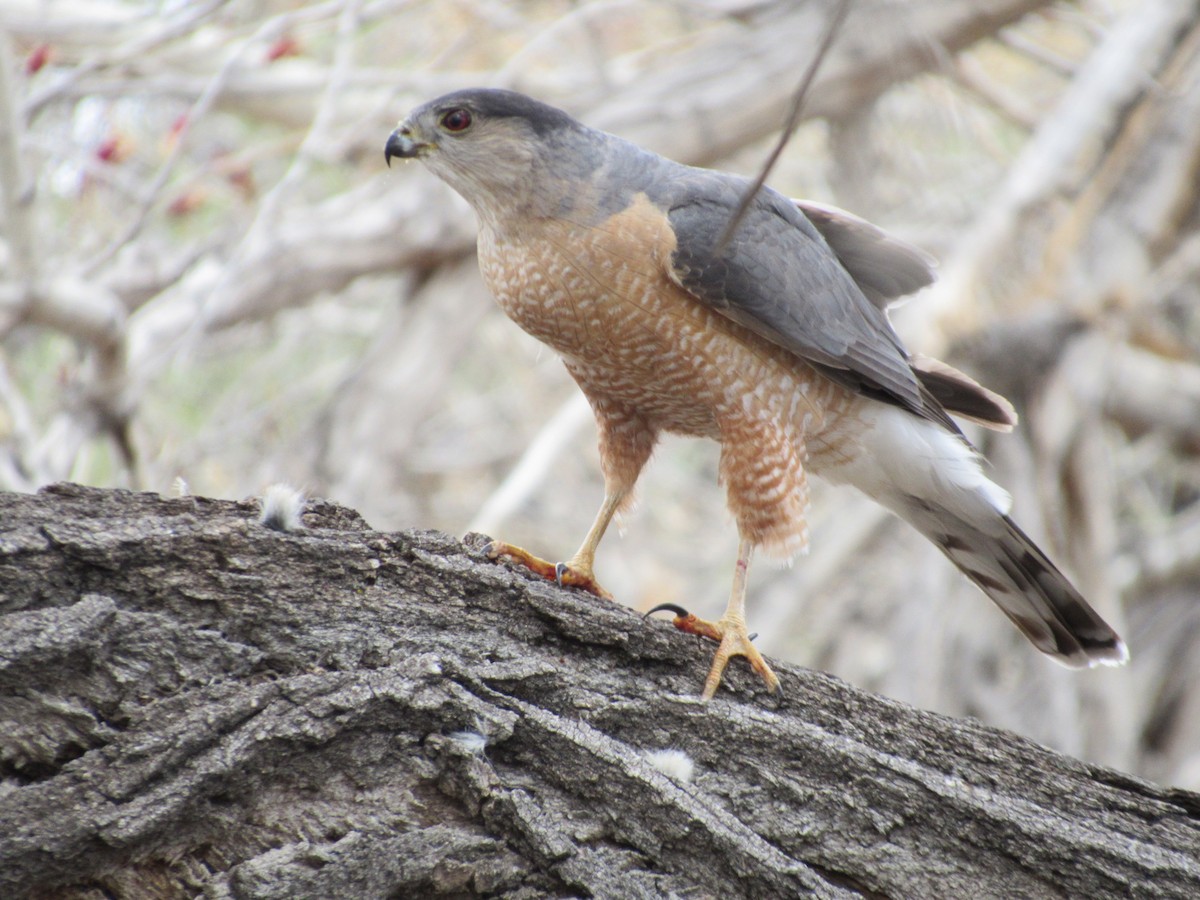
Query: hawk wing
x=778, y=277
x=884, y=267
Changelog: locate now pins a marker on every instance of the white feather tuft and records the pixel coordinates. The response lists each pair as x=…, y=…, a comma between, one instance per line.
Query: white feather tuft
x=474, y=742
x=673, y=763
x=282, y=505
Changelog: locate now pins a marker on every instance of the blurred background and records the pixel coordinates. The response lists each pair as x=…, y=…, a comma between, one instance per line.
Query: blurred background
x=210, y=282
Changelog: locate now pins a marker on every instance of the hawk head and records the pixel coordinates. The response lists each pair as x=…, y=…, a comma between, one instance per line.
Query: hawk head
x=486, y=144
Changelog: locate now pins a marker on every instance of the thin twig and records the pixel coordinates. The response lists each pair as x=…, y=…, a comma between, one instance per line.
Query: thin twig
x=267, y=31
x=789, y=125
x=1049, y=59
x=266, y=217
x=971, y=77
x=326, y=113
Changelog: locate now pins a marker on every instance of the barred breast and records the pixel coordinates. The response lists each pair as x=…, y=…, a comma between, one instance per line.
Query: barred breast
x=601, y=297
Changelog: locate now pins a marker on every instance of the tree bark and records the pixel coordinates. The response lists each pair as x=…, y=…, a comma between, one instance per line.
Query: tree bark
x=191, y=702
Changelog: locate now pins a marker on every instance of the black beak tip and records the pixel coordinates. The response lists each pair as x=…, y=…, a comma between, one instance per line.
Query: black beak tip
x=399, y=143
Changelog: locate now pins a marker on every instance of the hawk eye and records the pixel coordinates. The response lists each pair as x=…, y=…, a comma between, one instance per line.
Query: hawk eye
x=457, y=119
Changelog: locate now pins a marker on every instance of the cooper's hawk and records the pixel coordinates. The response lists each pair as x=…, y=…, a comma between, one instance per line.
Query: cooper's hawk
x=777, y=345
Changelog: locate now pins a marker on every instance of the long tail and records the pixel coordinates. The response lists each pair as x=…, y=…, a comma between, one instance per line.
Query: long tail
x=1025, y=584
x=933, y=480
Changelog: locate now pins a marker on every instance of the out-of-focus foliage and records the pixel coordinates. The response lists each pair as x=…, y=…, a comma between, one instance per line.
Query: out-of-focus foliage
x=209, y=275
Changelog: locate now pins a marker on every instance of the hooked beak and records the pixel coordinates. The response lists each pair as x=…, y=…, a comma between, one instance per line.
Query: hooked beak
x=403, y=143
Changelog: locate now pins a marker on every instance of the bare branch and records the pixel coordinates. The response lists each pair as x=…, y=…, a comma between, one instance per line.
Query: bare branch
x=365, y=684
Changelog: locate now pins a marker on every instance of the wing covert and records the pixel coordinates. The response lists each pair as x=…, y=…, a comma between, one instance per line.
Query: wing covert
x=884, y=267
x=779, y=278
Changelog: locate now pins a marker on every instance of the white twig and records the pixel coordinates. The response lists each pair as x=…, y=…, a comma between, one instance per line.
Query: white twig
x=534, y=465
x=301, y=163
x=15, y=475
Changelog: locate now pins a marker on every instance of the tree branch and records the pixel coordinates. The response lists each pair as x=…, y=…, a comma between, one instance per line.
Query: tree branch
x=192, y=702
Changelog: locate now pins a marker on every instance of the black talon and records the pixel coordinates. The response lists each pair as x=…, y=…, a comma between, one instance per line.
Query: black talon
x=753, y=636
x=667, y=607
x=560, y=569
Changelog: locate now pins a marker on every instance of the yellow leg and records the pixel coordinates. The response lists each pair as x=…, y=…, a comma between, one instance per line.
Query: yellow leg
x=585, y=557
x=729, y=630
x=578, y=571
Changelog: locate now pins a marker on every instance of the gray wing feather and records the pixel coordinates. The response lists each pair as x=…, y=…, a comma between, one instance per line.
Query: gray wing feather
x=884, y=267
x=779, y=278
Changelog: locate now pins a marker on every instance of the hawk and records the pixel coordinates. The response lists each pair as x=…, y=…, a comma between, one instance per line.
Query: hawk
x=775, y=343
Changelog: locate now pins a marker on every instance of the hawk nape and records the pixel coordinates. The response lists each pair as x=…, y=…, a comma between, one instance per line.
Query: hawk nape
x=778, y=347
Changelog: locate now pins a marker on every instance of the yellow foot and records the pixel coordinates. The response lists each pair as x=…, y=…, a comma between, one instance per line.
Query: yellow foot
x=563, y=573
x=732, y=640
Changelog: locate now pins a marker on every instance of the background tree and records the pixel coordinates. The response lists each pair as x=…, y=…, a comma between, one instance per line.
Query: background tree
x=209, y=275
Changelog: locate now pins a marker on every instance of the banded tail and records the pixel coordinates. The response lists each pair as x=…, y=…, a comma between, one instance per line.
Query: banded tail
x=933, y=480
x=1026, y=585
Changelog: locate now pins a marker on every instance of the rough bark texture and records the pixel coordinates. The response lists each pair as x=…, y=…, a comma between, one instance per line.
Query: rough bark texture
x=193, y=703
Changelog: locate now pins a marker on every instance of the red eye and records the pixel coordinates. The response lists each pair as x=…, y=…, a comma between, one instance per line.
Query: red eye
x=457, y=119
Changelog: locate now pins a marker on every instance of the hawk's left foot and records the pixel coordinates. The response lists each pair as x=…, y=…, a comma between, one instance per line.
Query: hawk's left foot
x=733, y=640
x=570, y=574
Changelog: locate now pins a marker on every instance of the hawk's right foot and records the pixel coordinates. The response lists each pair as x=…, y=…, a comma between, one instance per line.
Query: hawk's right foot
x=567, y=574
x=732, y=640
